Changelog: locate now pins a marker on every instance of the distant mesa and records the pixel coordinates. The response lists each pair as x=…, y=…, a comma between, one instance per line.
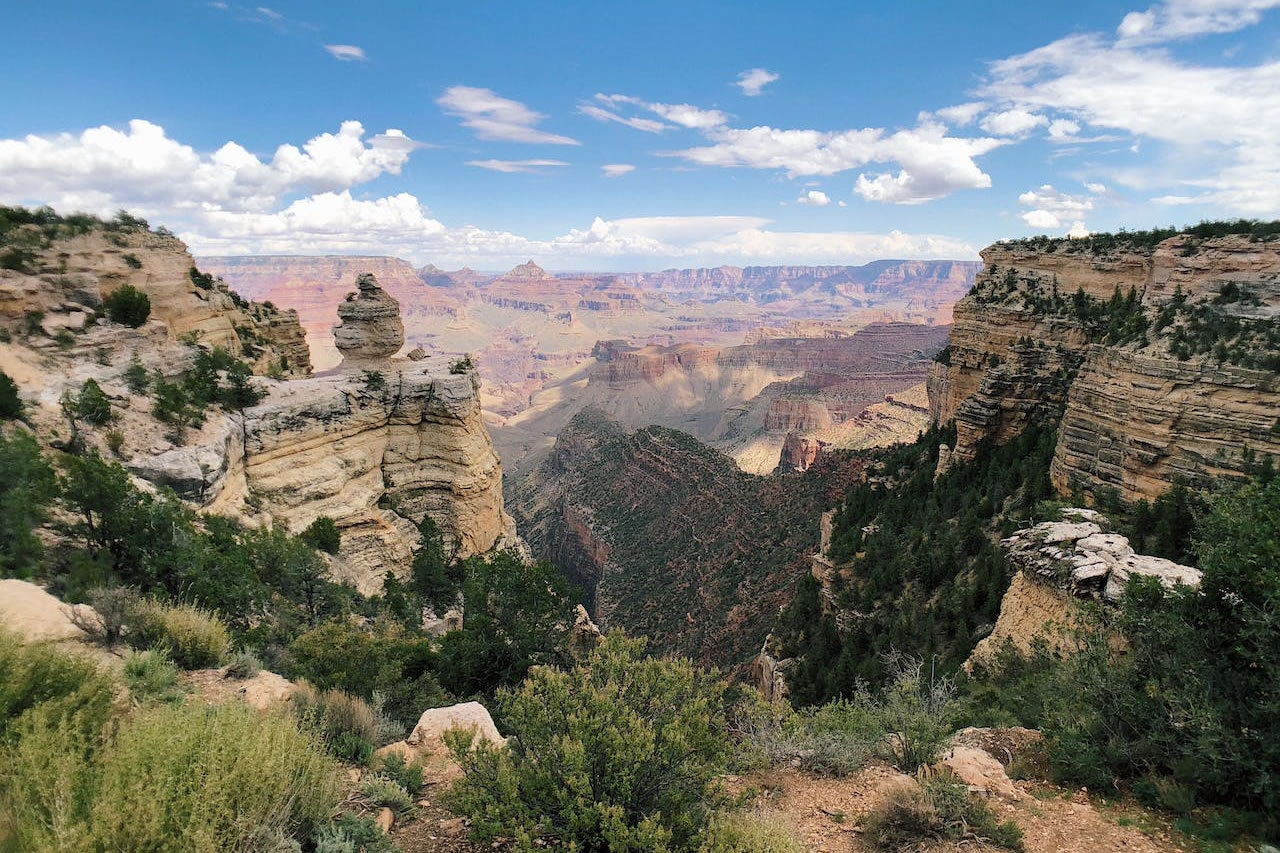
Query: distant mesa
x=371, y=329
x=528, y=271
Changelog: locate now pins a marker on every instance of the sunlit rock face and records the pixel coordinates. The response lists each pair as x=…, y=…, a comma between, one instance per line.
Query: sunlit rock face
x=370, y=329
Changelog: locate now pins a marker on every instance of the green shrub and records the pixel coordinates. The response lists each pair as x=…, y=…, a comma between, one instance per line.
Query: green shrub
x=92, y=404
x=207, y=778
x=323, y=534
x=244, y=665
x=132, y=261
x=136, y=376
x=462, y=365
x=128, y=305
x=10, y=402
x=115, y=441
x=939, y=809
x=407, y=776
x=621, y=753
x=351, y=834
x=195, y=638
x=382, y=791
x=44, y=675
x=374, y=381
x=64, y=338
x=113, y=610
x=915, y=713
x=151, y=676
x=741, y=832
x=27, y=488
x=346, y=722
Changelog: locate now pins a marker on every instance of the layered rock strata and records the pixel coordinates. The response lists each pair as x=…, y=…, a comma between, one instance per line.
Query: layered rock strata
x=370, y=329
x=1135, y=414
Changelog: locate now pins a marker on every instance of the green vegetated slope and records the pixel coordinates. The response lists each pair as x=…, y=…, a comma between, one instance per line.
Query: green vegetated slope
x=669, y=539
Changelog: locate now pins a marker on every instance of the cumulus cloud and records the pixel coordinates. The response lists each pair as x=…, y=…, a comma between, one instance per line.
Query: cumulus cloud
x=346, y=52
x=1050, y=207
x=1182, y=19
x=515, y=165
x=684, y=115
x=933, y=163
x=648, y=125
x=1013, y=122
x=617, y=170
x=961, y=114
x=492, y=116
x=752, y=82
x=1219, y=126
x=299, y=200
x=103, y=168
x=815, y=197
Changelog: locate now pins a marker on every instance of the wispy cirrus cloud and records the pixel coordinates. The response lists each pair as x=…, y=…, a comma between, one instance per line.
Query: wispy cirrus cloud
x=346, y=52
x=617, y=170
x=494, y=117
x=515, y=165
x=648, y=125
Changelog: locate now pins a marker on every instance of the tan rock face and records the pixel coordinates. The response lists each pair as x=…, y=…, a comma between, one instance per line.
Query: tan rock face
x=371, y=329
x=1132, y=418
x=75, y=274
x=330, y=446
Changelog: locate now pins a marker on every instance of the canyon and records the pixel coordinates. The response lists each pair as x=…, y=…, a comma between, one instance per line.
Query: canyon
x=547, y=344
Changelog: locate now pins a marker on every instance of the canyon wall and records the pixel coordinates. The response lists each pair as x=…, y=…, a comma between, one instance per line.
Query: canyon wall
x=1159, y=362
x=375, y=457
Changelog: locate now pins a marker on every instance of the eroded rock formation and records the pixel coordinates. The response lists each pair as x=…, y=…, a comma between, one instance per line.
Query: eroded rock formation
x=370, y=330
x=1044, y=337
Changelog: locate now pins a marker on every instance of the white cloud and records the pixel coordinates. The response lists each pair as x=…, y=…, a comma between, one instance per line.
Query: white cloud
x=515, y=165
x=1182, y=19
x=843, y=203
x=103, y=168
x=933, y=163
x=1051, y=207
x=648, y=125
x=1219, y=126
x=1063, y=130
x=815, y=197
x=616, y=170
x=961, y=114
x=685, y=115
x=233, y=202
x=1078, y=231
x=270, y=13
x=346, y=52
x=752, y=82
x=1041, y=219
x=1013, y=122
x=492, y=116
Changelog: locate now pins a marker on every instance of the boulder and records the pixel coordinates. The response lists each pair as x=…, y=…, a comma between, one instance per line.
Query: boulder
x=979, y=770
x=585, y=636
x=385, y=819
x=371, y=328
x=36, y=616
x=434, y=722
x=1167, y=572
x=266, y=689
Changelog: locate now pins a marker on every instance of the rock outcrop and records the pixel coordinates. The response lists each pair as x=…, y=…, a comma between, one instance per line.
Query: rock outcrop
x=67, y=280
x=1078, y=556
x=371, y=330
x=1118, y=345
x=1057, y=563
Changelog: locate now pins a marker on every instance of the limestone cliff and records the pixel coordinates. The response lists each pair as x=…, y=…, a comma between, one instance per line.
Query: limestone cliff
x=376, y=457
x=66, y=279
x=1160, y=362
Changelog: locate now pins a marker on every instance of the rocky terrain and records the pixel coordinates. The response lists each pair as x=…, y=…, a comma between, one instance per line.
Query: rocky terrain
x=669, y=538
x=840, y=390
x=536, y=335
x=375, y=458
x=1171, y=383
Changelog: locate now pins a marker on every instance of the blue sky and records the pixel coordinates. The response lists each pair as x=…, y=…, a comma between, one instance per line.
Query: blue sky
x=480, y=133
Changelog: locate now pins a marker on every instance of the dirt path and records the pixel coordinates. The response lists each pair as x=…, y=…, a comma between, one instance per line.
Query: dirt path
x=824, y=813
